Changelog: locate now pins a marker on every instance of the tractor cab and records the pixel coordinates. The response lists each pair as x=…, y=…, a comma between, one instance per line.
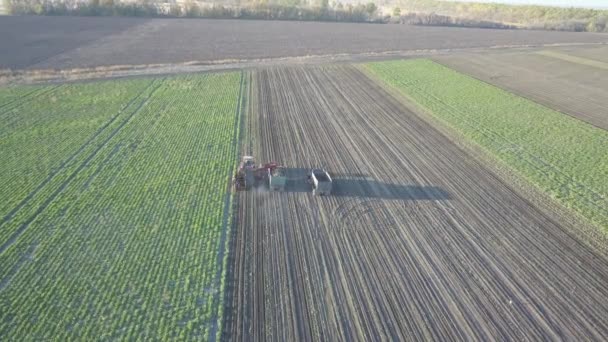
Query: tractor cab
x=242, y=178
x=248, y=162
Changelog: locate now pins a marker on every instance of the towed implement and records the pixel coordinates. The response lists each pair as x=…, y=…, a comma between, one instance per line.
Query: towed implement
x=271, y=175
x=249, y=175
x=321, y=182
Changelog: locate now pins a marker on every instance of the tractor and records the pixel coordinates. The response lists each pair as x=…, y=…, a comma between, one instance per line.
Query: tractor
x=249, y=176
x=274, y=177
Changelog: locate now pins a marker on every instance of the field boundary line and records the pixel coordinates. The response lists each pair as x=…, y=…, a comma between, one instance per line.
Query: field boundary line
x=45, y=76
x=13, y=238
x=60, y=168
x=244, y=147
x=227, y=219
x=590, y=232
x=573, y=59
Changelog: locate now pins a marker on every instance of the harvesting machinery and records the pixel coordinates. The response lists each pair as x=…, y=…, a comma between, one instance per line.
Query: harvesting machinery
x=249, y=175
x=274, y=177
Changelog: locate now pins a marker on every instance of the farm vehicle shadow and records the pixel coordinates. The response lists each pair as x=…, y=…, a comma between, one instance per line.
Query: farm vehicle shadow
x=362, y=186
x=365, y=188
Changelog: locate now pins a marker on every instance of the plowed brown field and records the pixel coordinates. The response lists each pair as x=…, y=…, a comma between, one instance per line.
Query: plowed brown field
x=419, y=240
x=48, y=42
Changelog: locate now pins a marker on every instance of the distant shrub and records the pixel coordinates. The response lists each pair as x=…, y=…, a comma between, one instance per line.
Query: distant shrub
x=432, y=19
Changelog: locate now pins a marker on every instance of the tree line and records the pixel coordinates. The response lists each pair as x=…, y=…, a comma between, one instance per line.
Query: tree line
x=523, y=16
x=253, y=10
x=412, y=12
x=433, y=19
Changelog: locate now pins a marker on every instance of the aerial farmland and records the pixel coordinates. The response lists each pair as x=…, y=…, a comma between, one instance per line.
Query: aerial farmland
x=469, y=182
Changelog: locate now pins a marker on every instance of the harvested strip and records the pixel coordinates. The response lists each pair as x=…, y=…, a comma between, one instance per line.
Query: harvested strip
x=419, y=240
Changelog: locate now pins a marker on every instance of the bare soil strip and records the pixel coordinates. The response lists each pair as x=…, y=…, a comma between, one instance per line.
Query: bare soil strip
x=42, y=76
x=419, y=240
x=571, y=88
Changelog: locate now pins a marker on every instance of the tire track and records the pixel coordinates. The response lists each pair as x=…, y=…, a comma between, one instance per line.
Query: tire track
x=61, y=167
x=13, y=238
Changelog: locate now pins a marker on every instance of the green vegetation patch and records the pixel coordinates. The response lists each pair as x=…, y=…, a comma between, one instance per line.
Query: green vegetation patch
x=48, y=131
x=10, y=94
x=563, y=156
x=126, y=240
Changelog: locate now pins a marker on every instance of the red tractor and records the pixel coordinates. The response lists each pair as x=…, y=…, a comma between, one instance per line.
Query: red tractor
x=248, y=175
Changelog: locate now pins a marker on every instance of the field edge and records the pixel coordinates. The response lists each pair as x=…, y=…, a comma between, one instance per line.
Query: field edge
x=589, y=231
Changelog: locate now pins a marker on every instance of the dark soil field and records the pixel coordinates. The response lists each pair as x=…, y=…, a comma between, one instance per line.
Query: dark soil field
x=67, y=42
x=27, y=41
x=578, y=87
x=420, y=240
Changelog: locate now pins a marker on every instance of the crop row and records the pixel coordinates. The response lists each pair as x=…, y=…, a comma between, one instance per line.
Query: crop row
x=128, y=248
x=10, y=96
x=51, y=133
x=565, y=157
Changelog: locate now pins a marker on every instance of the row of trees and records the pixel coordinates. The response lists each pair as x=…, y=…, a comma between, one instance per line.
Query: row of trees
x=413, y=12
x=524, y=16
x=255, y=10
x=433, y=19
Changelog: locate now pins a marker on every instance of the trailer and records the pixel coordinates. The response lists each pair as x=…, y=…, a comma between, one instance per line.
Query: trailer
x=321, y=182
x=277, y=179
x=250, y=176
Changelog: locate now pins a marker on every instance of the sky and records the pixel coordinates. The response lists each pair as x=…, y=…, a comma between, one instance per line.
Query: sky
x=602, y=4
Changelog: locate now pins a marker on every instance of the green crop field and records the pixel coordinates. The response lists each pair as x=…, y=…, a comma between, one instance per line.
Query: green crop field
x=115, y=207
x=565, y=157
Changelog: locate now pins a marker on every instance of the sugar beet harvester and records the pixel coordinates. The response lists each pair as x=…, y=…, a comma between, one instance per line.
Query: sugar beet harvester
x=250, y=176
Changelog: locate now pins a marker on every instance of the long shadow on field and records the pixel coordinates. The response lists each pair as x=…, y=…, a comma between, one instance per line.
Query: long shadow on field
x=357, y=185
x=365, y=188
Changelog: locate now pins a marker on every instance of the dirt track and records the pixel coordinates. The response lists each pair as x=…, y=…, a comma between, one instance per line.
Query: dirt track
x=577, y=89
x=420, y=241
x=72, y=42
